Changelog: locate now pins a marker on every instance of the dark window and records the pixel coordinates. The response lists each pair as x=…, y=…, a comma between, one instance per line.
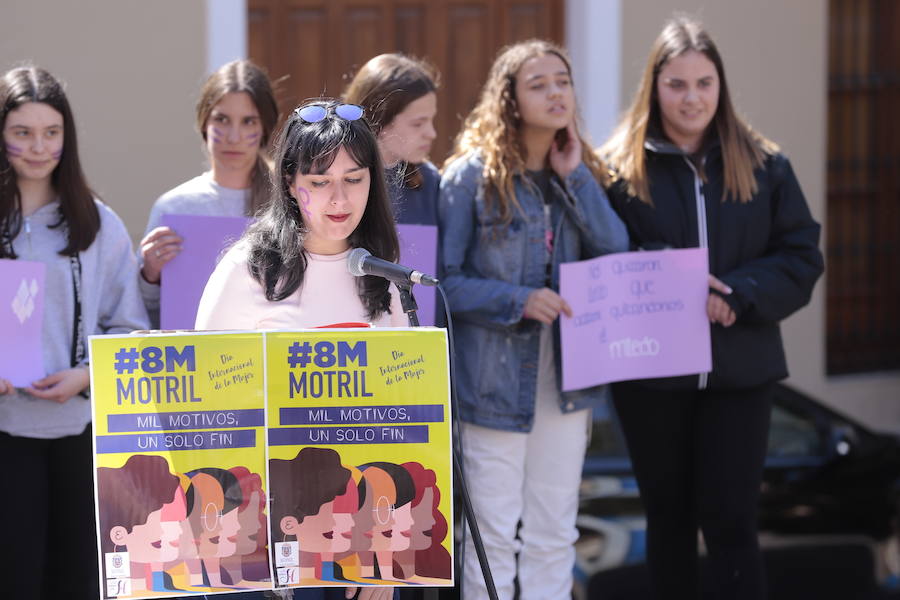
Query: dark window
x=863, y=234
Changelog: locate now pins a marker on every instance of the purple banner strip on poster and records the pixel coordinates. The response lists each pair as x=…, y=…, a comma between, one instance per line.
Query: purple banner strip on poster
x=184, y=277
x=21, y=321
x=183, y=440
x=352, y=415
x=327, y=436
x=173, y=421
x=418, y=250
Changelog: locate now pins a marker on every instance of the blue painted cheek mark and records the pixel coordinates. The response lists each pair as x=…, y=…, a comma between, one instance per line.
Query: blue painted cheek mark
x=305, y=200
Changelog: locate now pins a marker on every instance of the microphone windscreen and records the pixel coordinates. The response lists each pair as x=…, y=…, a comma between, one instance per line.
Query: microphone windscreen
x=355, y=261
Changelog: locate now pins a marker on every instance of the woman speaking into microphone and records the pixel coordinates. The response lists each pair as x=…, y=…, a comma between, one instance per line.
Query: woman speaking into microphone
x=290, y=270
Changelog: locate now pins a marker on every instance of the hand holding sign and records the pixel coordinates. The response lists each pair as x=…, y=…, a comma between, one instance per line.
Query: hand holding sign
x=544, y=305
x=716, y=308
x=157, y=248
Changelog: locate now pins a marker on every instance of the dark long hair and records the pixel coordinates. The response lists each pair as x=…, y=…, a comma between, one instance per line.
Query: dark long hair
x=77, y=211
x=244, y=76
x=277, y=256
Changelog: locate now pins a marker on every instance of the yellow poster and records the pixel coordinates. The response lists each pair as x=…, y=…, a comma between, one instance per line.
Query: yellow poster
x=359, y=457
x=236, y=461
x=180, y=457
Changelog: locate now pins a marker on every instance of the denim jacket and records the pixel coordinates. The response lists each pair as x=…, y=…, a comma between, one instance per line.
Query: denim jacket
x=489, y=268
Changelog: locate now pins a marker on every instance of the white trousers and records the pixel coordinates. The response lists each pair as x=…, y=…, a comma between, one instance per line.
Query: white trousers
x=533, y=477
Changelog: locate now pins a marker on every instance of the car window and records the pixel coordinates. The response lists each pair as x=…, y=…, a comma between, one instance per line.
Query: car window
x=793, y=434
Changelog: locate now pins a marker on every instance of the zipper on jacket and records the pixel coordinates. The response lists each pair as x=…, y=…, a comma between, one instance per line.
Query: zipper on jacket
x=702, y=235
x=28, y=233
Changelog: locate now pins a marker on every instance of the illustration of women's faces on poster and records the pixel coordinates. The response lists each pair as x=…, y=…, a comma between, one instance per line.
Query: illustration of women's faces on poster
x=251, y=513
x=423, y=521
x=303, y=494
x=213, y=499
x=427, y=559
x=187, y=545
x=376, y=513
x=381, y=495
x=393, y=514
x=140, y=513
x=248, y=566
x=345, y=507
x=424, y=506
x=363, y=518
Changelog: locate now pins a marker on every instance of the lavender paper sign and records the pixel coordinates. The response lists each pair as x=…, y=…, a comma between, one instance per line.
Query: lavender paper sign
x=636, y=315
x=185, y=276
x=21, y=321
x=418, y=250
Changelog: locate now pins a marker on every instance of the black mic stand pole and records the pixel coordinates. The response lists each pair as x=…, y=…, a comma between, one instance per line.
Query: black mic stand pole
x=408, y=302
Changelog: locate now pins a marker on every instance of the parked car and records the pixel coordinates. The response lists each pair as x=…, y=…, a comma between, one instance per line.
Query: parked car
x=829, y=507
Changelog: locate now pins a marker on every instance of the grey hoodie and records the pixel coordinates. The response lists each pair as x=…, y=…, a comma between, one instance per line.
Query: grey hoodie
x=111, y=303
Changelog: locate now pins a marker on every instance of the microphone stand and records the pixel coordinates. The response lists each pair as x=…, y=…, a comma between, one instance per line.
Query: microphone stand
x=408, y=302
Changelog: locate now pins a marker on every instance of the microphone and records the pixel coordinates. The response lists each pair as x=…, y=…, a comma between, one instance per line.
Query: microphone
x=361, y=262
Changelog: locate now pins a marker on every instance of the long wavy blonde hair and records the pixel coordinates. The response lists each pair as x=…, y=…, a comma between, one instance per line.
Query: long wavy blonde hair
x=743, y=149
x=492, y=128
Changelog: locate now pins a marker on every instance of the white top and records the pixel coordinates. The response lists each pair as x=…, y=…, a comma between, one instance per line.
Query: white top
x=198, y=196
x=233, y=299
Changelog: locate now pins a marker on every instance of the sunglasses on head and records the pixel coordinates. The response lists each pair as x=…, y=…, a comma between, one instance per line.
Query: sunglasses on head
x=313, y=113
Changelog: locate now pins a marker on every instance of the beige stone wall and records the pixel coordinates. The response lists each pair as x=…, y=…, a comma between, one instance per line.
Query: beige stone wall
x=132, y=71
x=775, y=56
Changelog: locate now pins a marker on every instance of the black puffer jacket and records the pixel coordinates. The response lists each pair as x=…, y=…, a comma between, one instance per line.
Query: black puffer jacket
x=765, y=249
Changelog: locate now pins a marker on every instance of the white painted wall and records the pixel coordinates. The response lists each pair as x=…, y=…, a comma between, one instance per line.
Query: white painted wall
x=593, y=38
x=226, y=32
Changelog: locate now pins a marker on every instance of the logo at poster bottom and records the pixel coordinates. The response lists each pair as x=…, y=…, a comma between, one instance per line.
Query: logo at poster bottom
x=118, y=587
x=288, y=576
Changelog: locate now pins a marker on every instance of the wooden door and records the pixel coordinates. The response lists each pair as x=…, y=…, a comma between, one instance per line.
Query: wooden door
x=315, y=46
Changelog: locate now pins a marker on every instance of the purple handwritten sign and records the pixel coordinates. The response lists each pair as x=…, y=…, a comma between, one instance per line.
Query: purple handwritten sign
x=636, y=315
x=21, y=321
x=418, y=250
x=185, y=276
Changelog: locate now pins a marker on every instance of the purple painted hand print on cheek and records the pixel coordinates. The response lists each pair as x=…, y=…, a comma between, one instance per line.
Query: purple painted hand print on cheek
x=304, y=200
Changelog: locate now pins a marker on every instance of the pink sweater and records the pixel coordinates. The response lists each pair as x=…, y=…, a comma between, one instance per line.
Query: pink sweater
x=232, y=299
